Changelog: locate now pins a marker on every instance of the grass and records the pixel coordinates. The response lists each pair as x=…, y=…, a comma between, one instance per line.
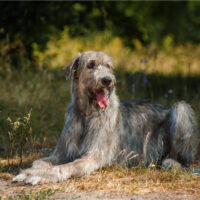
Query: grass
x=165, y=75
x=134, y=181
x=40, y=195
x=117, y=180
x=40, y=92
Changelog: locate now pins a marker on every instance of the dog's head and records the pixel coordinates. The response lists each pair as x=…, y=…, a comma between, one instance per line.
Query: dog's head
x=93, y=78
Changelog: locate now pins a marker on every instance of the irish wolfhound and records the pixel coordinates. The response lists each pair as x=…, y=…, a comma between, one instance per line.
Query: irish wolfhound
x=102, y=131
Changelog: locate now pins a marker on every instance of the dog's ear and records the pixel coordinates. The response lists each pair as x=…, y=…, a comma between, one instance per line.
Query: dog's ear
x=68, y=69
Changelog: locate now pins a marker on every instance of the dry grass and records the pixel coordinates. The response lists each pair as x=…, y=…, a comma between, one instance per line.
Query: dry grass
x=132, y=181
x=137, y=180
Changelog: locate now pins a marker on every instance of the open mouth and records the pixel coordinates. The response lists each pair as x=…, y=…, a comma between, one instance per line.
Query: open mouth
x=101, y=99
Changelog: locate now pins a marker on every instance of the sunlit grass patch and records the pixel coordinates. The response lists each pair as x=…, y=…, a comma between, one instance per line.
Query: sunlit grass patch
x=163, y=59
x=134, y=181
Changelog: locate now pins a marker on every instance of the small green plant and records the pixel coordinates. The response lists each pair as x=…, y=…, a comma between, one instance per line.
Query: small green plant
x=19, y=134
x=45, y=194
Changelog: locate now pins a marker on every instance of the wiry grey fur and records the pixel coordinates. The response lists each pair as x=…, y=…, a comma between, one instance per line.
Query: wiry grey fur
x=125, y=132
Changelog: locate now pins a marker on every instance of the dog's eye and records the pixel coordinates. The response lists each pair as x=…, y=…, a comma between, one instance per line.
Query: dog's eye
x=91, y=65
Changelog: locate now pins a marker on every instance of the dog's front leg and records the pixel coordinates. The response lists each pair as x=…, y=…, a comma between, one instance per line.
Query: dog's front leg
x=46, y=162
x=79, y=167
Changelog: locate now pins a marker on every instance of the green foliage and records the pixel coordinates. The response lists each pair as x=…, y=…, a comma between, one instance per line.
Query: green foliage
x=41, y=195
x=24, y=24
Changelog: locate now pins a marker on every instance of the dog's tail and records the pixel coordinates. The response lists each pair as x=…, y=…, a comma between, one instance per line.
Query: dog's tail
x=184, y=133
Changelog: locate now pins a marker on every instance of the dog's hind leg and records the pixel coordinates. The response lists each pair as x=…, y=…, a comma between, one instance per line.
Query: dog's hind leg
x=184, y=136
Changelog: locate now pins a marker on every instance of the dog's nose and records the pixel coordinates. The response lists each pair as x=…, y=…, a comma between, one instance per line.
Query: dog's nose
x=106, y=81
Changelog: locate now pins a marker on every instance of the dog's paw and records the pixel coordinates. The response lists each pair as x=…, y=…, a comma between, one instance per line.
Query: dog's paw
x=19, y=178
x=31, y=176
x=35, y=176
x=33, y=180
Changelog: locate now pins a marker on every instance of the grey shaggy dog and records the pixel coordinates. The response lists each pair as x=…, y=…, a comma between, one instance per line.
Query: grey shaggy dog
x=102, y=131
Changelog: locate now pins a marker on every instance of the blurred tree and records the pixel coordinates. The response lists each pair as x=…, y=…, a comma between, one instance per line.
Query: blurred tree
x=25, y=23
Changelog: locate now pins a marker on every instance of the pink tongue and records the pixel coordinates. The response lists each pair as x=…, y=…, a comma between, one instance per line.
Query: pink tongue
x=102, y=100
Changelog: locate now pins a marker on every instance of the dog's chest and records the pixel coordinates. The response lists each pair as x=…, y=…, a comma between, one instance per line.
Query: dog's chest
x=97, y=131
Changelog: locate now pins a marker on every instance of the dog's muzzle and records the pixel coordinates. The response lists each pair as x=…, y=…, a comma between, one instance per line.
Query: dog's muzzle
x=102, y=94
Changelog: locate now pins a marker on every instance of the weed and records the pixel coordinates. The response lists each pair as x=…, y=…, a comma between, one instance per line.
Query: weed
x=19, y=134
x=45, y=194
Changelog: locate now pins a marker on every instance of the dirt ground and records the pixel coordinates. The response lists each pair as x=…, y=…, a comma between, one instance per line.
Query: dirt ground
x=108, y=195
x=11, y=189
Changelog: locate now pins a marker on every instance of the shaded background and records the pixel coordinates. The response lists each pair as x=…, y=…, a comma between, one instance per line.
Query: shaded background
x=154, y=46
